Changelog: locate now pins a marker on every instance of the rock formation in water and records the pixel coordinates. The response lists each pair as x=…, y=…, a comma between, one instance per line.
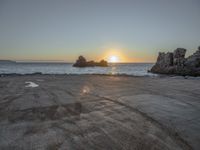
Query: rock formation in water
x=82, y=62
x=6, y=61
x=176, y=63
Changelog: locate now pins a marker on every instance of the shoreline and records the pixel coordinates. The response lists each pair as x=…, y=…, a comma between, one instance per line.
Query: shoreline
x=109, y=75
x=69, y=74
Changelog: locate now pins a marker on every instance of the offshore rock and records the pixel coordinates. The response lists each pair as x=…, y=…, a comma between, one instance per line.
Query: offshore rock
x=176, y=63
x=82, y=62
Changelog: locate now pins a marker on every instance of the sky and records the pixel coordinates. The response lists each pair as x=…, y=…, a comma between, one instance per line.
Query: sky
x=61, y=30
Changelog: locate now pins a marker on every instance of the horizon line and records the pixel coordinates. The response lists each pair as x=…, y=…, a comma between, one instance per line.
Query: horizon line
x=64, y=61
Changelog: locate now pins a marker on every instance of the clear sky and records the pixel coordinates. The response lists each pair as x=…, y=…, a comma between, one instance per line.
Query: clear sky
x=135, y=30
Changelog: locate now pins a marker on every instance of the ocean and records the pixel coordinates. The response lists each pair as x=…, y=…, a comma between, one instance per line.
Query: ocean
x=135, y=69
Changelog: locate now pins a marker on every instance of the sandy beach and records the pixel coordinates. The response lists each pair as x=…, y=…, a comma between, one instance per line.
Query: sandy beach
x=99, y=112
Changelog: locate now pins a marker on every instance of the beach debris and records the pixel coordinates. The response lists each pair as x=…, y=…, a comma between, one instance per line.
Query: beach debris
x=176, y=63
x=31, y=84
x=82, y=62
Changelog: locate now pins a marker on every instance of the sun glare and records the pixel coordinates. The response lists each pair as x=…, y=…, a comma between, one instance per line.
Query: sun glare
x=113, y=59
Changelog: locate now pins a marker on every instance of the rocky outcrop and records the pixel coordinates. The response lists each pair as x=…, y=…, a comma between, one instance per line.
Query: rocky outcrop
x=6, y=61
x=82, y=62
x=193, y=61
x=176, y=63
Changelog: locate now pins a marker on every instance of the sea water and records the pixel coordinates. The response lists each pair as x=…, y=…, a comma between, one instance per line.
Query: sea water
x=135, y=69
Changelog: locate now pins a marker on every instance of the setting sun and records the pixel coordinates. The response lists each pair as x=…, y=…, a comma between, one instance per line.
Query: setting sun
x=113, y=59
x=114, y=55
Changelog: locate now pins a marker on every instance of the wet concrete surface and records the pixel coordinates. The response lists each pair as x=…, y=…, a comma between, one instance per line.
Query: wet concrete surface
x=87, y=112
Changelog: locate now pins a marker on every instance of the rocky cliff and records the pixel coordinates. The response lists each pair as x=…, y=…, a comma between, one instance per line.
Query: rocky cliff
x=176, y=63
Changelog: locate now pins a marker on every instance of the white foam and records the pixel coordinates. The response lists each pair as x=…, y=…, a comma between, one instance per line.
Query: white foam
x=31, y=84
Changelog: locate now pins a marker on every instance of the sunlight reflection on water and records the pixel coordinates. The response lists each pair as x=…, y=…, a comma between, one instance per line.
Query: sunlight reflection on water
x=113, y=70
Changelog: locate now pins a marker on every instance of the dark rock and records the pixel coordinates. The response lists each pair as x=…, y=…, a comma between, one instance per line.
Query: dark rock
x=179, y=53
x=194, y=60
x=103, y=63
x=82, y=62
x=164, y=60
x=176, y=63
x=91, y=63
x=179, y=56
x=7, y=61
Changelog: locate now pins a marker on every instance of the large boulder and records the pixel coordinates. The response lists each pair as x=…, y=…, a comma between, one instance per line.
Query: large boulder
x=164, y=60
x=176, y=63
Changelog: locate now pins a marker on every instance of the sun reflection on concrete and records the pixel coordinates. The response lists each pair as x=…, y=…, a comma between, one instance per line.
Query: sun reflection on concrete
x=85, y=90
